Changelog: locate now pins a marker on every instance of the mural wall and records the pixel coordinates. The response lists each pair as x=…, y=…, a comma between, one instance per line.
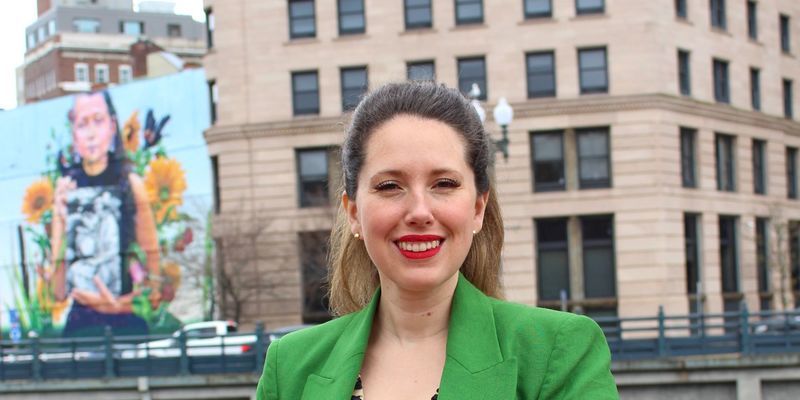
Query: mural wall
x=105, y=210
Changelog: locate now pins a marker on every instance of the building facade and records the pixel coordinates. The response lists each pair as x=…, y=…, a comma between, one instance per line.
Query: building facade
x=78, y=45
x=652, y=158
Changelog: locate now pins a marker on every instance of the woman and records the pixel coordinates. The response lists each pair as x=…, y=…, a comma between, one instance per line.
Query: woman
x=415, y=274
x=101, y=208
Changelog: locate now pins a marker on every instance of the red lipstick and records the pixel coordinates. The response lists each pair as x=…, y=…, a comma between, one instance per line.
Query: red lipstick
x=417, y=255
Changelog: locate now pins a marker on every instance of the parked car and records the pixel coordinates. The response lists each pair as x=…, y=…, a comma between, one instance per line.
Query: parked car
x=209, y=338
x=781, y=323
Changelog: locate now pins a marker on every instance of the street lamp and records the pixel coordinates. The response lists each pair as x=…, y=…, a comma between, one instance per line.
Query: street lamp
x=503, y=115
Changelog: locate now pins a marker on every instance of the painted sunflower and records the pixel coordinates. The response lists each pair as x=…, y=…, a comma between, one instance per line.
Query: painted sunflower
x=130, y=132
x=165, y=183
x=38, y=199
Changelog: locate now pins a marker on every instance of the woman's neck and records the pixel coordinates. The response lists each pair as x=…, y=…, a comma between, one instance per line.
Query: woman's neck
x=93, y=168
x=408, y=317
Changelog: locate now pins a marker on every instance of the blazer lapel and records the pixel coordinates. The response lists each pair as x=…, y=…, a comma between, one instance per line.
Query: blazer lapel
x=475, y=367
x=336, y=379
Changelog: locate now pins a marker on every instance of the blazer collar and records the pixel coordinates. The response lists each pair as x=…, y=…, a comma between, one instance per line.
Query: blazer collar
x=474, y=368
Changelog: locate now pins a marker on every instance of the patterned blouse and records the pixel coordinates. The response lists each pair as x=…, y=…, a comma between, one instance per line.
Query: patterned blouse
x=358, y=391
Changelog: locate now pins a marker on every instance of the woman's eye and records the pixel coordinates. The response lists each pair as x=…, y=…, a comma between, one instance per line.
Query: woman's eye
x=388, y=185
x=447, y=183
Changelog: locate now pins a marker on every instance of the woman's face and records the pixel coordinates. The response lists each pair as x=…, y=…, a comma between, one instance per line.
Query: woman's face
x=92, y=127
x=416, y=205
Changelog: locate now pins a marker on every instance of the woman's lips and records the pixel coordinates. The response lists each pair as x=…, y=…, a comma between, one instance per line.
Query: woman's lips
x=417, y=247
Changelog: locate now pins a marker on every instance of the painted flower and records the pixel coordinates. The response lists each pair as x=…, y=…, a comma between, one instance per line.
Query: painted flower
x=171, y=273
x=165, y=183
x=130, y=132
x=38, y=199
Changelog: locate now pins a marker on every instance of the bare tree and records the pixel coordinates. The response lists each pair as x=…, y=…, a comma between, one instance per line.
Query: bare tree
x=782, y=232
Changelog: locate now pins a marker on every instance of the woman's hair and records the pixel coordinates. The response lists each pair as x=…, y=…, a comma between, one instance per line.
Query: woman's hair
x=352, y=276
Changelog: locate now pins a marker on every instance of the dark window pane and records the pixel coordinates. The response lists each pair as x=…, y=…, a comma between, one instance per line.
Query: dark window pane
x=305, y=96
x=313, y=177
x=351, y=16
x=424, y=71
x=791, y=172
x=759, y=166
x=354, y=84
x=762, y=263
x=725, y=153
x=548, y=161
x=589, y=6
x=752, y=19
x=755, y=88
x=594, y=164
x=593, y=73
x=418, y=13
x=688, y=156
x=472, y=70
x=684, y=76
x=538, y=8
x=469, y=11
x=598, y=256
x=301, y=18
x=680, y=8
x=690, y=235
x=718, y=13
x=552, y=258
x=728, y=254
x=788, y=107
x=721, y=83
x=786, y=44
x=541, y=75
x=313, y=252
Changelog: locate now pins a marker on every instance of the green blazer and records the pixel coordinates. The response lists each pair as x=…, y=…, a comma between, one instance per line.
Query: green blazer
x=495, y=350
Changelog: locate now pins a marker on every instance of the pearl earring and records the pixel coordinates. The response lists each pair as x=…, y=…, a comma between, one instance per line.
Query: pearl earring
x=357, y=236
x=474, y=232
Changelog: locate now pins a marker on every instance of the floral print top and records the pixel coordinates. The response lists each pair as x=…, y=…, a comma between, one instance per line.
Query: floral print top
x=358, y=391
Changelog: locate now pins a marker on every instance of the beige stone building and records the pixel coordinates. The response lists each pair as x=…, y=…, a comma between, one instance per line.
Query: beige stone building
x=654, y=143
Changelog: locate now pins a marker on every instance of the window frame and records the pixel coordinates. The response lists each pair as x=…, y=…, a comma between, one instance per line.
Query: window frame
x=417, y=25
x=763, y=280
x=752, y=20
x=688, y=161
x=681, y=10
x=172, y=28
x=590, y=10
x=340, y=16
x=553, y=247
x=213, y=99
x=344, y=90
x=214, y=159
x=548, y=186
x=292, y=19
x=210, y=25
x=76, y=21
x=107, y=71
x=734, y=284
x=755, y=88
x=551, y=74
x=598, y=243
x=85, y=68
x=759, y=160
x=721, y=79
x=483, y=80
x=303, y=200
x=582, y=69
x=684, y=73
x=788, y=98
x=298, y=111
x=123, y=23
x=791, y=172
x=725, y=142
x=718, y=14
x=467, y=21
x=537, y=15
x=595, y=183
x=124, y=67
x=784, y=26
x=692, y=250
x=411, y=64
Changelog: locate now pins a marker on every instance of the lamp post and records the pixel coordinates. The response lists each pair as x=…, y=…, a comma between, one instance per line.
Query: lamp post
x=503, y=115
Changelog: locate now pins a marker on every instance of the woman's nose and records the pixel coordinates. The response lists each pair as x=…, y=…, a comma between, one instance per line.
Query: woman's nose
x=419, y=212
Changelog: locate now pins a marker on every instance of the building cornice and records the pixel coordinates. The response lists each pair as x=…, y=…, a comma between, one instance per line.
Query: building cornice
x=531, y=109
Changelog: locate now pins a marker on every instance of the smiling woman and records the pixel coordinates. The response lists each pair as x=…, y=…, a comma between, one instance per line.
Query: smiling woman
x=414, y=275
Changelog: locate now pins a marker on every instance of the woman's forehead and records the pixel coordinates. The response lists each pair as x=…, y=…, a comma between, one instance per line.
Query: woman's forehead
x=90, y=104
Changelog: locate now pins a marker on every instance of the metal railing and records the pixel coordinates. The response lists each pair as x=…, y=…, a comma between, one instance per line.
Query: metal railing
x=638, y=338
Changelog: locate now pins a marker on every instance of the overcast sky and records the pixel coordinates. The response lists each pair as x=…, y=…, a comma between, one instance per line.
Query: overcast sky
x=16, y=15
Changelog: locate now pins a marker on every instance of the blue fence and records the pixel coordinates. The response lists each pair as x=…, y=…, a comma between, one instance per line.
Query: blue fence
x=628, y=338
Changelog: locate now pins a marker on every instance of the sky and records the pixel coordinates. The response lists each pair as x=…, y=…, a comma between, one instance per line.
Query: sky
x=16, y=15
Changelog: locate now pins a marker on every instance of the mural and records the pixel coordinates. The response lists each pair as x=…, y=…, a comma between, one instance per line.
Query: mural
x=112, y=234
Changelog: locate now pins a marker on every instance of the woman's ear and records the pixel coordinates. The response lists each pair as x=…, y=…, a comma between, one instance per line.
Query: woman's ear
x=351, y=210
x=480, y=208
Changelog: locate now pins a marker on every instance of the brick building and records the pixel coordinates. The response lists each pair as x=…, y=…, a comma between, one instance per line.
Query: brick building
x=81, y=45
x=652, y=160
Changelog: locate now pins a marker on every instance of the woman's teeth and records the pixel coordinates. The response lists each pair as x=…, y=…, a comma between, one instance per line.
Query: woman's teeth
x=418, y=246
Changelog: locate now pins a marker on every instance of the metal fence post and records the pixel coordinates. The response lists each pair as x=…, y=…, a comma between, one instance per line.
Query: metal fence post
x=259, y=347
x=744, y=328
x=662, y=340
x=184, y=362
x=109, y=346
x=36, y=366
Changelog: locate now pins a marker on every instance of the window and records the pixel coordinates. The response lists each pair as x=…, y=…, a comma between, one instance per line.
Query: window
x=421, y=71
x=684, y=76
x=691, y=226
x=133, y=28
x=552, y=259
x=599, y=276
x=728, y=254
x=786, y=45
x=538, y=8
x=354, y=84
x=86, y=25
x=688, y=157
x=469, y=12
x=51, y=27
x=752, y=20
x=418, y=14
x=41, y=34
x=472, y=70
x=791, y=172
x=101, y=73
x=31, y=41
x=721, y=83
x=788, y=111
x=794, y=260
x=213, y=96
x=680, y=9
x=301, y=19
x=589, y=6
x=759, y=167
x=174, y=30
x=312, y=165
x=81, y=72
x=215, y=183
x=755, y=88
x=762, y=263
x=593, y=70
x=594, y=166
x=541, y=74
x=351, y=17
x=125, y=73
x=209, y=27
x=725, y=152
x=718, y=14
x=305, y=93
x=547, y=149
x=313, y=250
